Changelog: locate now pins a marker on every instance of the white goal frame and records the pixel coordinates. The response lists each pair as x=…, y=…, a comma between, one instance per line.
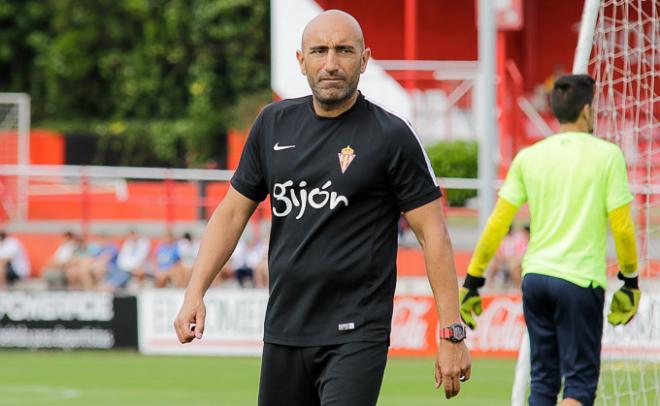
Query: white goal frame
x=21, y=101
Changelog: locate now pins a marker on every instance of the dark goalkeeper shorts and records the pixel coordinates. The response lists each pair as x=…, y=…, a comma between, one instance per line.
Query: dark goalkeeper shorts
x=565, y=324
x=336, y=375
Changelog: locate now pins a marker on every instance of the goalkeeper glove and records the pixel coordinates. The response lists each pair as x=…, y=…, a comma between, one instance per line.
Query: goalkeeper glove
x=468, y=297
x=624, y=302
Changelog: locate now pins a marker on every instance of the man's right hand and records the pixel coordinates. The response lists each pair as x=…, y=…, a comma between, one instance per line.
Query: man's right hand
x=189, y=323
x=468, y=297
x=625, y=301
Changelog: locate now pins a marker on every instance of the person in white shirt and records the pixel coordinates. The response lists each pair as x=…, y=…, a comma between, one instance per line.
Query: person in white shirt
x=14, y=262
x=245, y=260
x=58, y=270
x=131, y=262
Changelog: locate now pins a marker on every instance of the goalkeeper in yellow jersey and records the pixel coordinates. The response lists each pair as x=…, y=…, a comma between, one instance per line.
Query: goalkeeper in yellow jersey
x=574, y=183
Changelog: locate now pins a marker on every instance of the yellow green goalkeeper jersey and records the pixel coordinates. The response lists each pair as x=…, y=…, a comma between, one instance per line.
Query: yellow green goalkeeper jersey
x=570, y=181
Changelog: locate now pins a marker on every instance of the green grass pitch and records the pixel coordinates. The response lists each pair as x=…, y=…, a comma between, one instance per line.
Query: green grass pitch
x=128, y=378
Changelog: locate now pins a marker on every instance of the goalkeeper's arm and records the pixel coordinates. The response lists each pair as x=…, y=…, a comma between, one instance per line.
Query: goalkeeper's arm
x=623, y=232
x=496, y=228
x=625, y=300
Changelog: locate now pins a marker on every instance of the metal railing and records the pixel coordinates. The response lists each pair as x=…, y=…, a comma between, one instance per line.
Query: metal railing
x=100, y=193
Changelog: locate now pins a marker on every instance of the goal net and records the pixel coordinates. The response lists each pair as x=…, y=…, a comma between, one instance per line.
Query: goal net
x=618, y=46
x=624, y=62
x=14, y=150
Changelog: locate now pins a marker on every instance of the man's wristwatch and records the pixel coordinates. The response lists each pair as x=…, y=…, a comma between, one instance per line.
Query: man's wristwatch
x=454, y=333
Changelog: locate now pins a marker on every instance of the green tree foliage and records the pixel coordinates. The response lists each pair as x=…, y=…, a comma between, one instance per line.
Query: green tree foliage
x=455, y=159
x=158, y=72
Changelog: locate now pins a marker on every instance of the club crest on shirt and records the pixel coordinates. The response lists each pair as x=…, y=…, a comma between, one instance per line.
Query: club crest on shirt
x=346, y=156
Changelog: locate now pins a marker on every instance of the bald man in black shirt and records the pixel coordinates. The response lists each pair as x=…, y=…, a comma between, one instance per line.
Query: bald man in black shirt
x=339, y=170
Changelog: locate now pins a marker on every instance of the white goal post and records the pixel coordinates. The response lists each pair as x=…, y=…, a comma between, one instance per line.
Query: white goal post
x=14, y=150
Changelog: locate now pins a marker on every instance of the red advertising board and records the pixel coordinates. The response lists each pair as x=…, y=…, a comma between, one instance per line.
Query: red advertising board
x=499, y=332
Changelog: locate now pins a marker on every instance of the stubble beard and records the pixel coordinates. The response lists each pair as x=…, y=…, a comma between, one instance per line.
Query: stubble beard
x=336, y=95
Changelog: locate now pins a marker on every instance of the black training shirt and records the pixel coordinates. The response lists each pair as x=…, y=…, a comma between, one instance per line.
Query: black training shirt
x=337, y=188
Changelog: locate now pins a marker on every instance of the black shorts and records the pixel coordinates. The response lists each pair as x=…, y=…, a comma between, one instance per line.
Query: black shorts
x=10, y=275
x=336, y=375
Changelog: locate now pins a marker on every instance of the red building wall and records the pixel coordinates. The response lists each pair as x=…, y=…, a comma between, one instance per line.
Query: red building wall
x=446, y=30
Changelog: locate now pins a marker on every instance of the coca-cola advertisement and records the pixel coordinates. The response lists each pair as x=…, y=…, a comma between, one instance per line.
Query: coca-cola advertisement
x=500, y=327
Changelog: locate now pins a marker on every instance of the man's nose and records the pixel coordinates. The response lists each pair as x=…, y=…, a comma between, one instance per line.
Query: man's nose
x=331, y=65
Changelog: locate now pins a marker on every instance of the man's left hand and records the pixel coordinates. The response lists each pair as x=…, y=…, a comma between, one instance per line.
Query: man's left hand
x=452, y=366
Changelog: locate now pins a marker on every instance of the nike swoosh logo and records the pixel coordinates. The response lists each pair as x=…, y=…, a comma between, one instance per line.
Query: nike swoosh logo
x=277, y=146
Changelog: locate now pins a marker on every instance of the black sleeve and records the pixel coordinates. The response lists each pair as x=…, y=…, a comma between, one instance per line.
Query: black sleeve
x=249, y=179
x=411, y=177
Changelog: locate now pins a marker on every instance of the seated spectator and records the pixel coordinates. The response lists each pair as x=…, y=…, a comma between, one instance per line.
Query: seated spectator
x=14, y=263
x=168, y=263
x=188, y=249
x=65, y=257
x=506, y=266
x=131, y=262
x=403, y=226
x=247, y=257
x=100, y=256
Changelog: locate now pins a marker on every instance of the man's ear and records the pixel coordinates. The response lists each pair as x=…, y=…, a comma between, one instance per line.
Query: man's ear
x=301, y=62
x=364, y=59
x=588, y=112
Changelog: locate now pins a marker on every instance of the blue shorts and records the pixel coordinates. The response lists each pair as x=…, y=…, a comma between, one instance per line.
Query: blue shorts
x=565, y=324
x=117, y=278
x=164, y=269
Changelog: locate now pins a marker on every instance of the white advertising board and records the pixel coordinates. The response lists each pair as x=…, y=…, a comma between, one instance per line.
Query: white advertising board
x=235, y=319
x=234, y=322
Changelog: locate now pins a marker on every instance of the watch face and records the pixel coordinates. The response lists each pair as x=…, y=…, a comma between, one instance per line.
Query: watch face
x=459, y=333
